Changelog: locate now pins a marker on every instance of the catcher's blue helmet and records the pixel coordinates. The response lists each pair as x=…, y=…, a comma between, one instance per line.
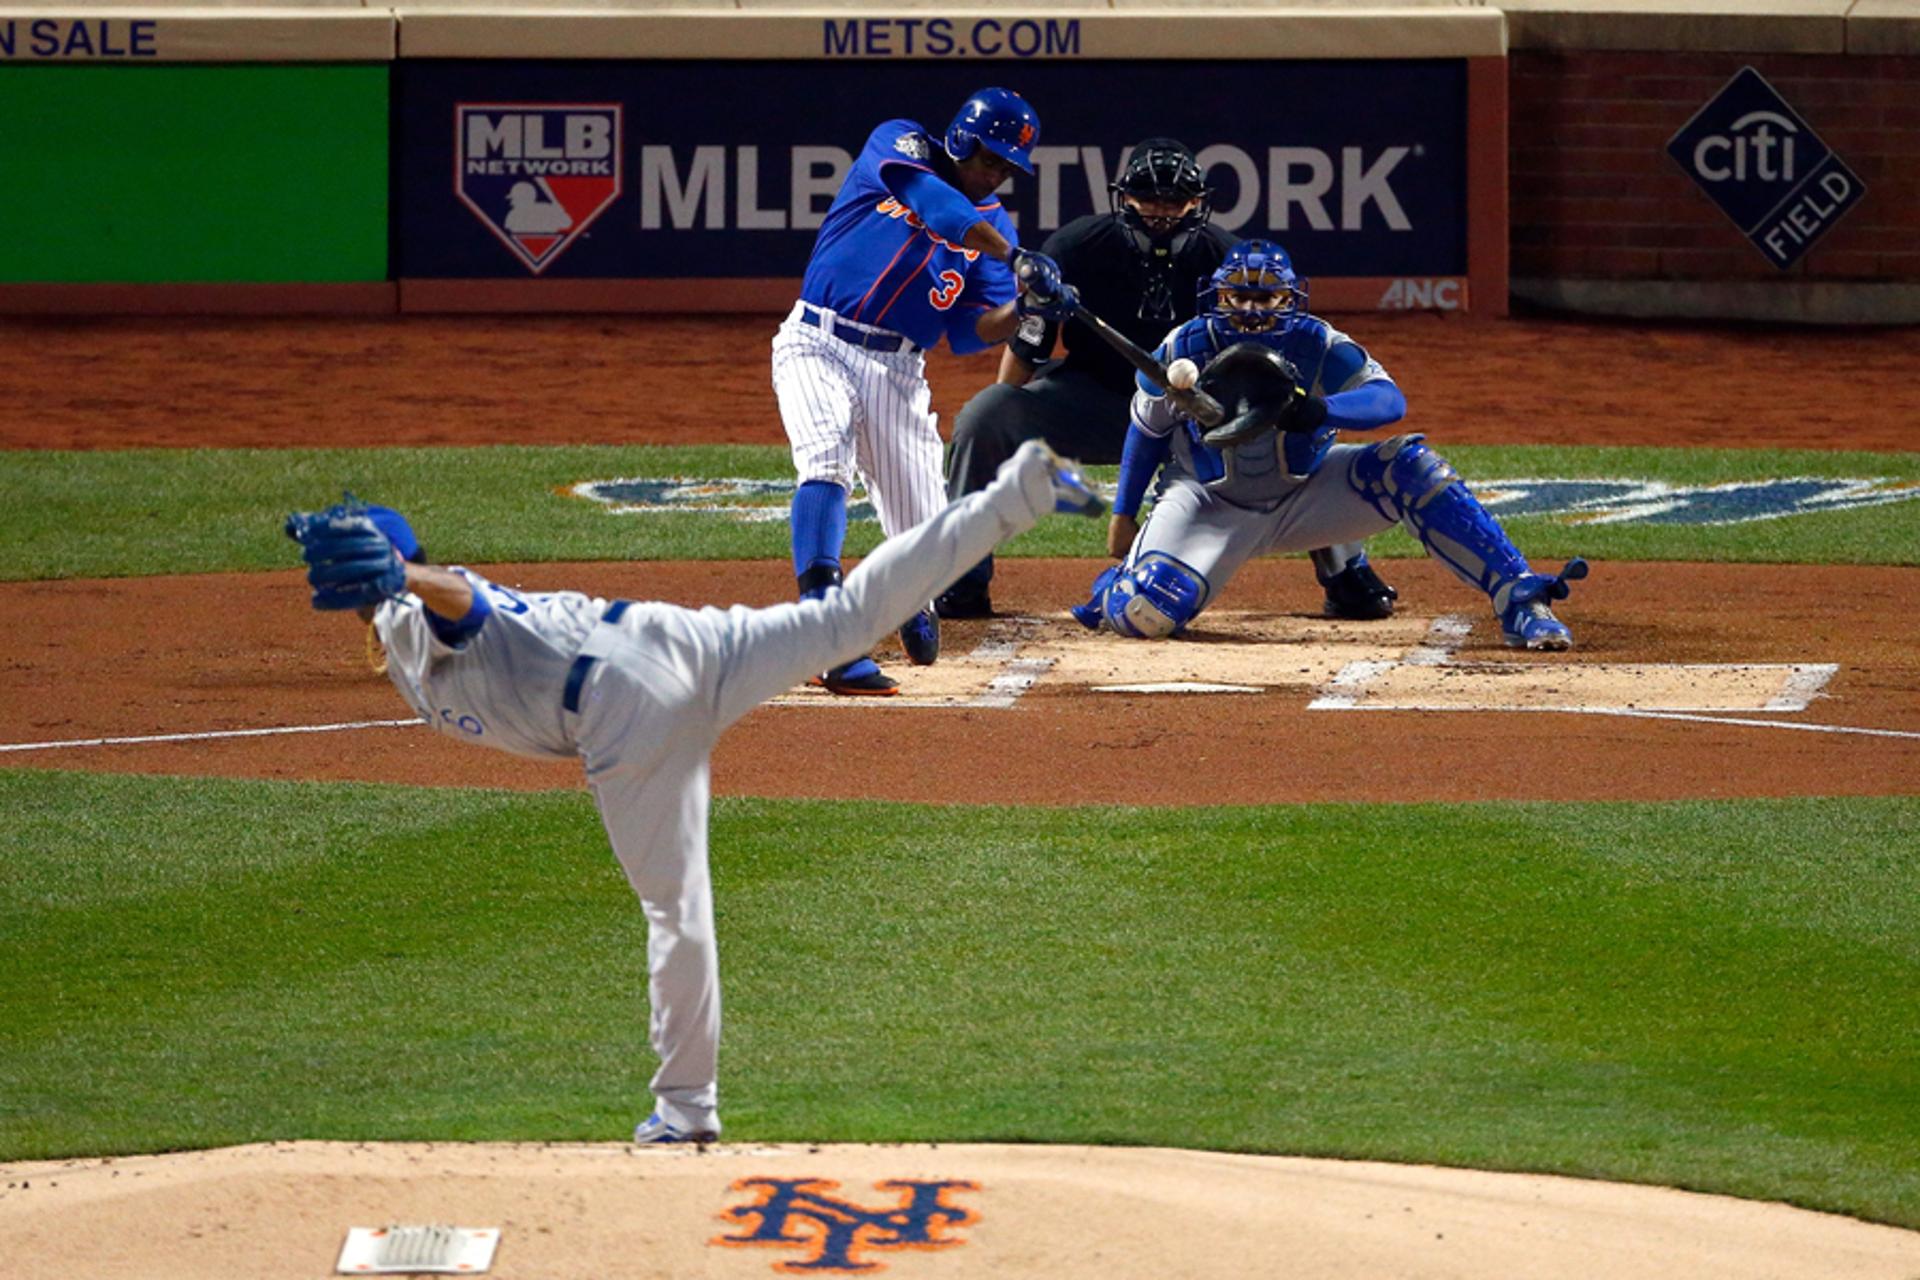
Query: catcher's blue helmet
x=999, y=120
x=1266, y=290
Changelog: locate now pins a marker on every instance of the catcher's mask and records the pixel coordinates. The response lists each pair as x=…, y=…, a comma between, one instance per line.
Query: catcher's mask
x=1161, y=196
x=1255, y=289
x=1253, y=383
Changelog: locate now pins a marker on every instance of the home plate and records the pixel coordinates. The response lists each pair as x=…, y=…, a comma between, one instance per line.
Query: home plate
x=1178, y=686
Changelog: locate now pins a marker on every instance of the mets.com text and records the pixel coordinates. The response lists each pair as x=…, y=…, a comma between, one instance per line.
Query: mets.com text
x=950, y=38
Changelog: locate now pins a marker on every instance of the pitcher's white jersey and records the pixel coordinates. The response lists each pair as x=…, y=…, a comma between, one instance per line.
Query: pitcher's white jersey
x=502, y=685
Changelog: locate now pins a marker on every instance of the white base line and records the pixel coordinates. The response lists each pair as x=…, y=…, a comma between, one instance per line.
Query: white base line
x=1752, y=724
x=1697, y=718
x=208, y=737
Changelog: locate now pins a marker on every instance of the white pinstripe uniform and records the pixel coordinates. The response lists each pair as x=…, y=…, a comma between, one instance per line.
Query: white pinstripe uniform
x=850, y=410
x=642, y=691
x=849, y=362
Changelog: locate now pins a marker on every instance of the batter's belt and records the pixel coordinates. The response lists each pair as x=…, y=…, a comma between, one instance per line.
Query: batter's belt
x=847, y=331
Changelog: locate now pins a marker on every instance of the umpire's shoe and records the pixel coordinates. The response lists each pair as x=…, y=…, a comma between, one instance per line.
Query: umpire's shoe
x=963, y=600
x=1357, y=593
x=920, y=637
x=861, y=678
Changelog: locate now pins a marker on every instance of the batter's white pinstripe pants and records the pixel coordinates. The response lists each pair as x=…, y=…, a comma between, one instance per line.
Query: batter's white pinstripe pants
x=849, y=410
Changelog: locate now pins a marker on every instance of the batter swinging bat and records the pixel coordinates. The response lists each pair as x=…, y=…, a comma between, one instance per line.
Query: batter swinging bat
x=1197, y=404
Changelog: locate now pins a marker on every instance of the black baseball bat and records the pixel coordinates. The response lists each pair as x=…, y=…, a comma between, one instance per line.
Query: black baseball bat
x=1202, y=407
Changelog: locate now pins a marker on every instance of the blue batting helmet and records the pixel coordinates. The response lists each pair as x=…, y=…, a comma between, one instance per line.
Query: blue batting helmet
x=1260, y=286
x=999, y=120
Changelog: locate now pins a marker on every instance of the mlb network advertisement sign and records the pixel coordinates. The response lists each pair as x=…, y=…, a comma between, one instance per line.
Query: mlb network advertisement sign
x=610, y=170
x=1766, y=168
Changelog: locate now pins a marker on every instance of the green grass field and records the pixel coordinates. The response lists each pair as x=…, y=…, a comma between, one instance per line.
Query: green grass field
x=1712, y=996
x=137, y=512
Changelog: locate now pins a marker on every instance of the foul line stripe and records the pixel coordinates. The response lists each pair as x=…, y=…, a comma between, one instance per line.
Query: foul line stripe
x=1752, y=724
x=1637, y=713
x=208, y=736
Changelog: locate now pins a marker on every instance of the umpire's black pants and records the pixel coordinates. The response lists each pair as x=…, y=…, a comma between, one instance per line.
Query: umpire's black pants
x=1077, y=415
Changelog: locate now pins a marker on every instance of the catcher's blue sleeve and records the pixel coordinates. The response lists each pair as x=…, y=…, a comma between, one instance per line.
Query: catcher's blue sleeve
x=1374, y=403
x=1140, y=460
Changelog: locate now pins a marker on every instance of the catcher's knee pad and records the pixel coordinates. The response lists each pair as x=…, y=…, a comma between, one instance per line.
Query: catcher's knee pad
x=1154, y=597
x=1408, y=482
x=1400, y=475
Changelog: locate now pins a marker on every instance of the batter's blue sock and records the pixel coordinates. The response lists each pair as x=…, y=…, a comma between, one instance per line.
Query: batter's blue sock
x=819, y=526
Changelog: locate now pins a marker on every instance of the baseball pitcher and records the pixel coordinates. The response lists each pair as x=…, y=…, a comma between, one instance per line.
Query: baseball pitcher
x=640, y=692
x=1271, y=479
x=916, y=249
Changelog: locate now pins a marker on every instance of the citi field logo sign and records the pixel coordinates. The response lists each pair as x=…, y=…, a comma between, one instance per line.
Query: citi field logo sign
x=1765, y=168
x=537, y=174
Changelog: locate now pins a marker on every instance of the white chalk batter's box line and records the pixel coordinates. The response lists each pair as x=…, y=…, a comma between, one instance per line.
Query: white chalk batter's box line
x=1802, y=682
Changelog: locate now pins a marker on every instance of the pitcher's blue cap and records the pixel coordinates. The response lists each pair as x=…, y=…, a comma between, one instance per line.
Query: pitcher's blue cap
x=398, y=531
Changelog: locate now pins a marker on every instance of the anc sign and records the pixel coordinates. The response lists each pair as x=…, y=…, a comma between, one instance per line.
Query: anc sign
x=1648, y=502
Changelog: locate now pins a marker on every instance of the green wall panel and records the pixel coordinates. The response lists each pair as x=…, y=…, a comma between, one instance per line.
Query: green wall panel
x=193, y=174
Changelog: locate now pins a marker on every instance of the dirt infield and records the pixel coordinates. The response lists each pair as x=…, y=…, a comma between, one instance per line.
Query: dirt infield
x=433, y=380
x=1690, y=681
x=218, y=655
x=572, y=1212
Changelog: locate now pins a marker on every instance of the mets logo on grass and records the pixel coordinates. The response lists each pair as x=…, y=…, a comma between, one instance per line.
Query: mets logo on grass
x=537, y=174
x=833, y=1233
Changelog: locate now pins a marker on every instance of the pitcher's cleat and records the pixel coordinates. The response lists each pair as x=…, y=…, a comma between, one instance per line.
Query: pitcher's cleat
x=655, y=1131
x=1073, y=493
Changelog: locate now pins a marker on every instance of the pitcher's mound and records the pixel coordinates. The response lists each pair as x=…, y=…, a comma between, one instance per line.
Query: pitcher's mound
x=574, y=1212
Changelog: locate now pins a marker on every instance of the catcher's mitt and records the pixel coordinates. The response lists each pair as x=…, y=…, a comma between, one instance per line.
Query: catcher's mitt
x=1260, y=390
x=350, y=562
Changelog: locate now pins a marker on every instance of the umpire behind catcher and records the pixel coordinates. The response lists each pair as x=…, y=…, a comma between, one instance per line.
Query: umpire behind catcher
x=1140, y=267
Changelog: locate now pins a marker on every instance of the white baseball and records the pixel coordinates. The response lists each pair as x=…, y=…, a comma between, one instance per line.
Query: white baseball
x=1182, y=374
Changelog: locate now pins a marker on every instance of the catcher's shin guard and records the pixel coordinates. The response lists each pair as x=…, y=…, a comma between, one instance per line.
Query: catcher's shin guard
x=1410, y=483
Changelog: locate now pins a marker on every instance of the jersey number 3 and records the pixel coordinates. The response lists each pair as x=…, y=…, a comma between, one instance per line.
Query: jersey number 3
x=943, y=298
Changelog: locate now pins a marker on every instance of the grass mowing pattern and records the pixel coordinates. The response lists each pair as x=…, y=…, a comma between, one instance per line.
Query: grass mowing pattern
x=118, y=514
x=1714, y=996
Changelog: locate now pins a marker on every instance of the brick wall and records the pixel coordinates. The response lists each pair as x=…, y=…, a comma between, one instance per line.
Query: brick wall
x=1596, y=197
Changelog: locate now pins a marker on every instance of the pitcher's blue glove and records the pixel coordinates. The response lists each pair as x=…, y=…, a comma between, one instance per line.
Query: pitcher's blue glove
x=350, y=563
x=1046, y=295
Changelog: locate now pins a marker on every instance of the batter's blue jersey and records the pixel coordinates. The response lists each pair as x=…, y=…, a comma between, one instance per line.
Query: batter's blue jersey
x=876, y=262
x=1328, y=361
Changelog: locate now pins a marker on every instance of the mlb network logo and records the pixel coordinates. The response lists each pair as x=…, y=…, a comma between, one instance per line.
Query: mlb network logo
x=537, y=174
x=1767, y=170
